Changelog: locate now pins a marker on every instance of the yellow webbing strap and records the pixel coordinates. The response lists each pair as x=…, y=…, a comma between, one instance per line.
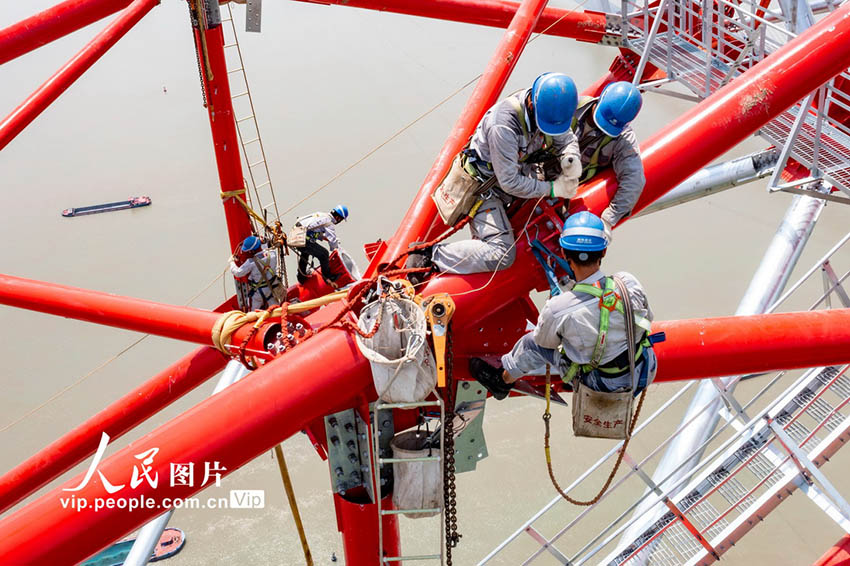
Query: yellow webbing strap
x=237, y=194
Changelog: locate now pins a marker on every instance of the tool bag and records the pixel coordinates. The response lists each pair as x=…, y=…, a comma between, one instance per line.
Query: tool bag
x=297, y=237
x=456, y=194
x=597, y=414
x=403, y=366
x=417, y=485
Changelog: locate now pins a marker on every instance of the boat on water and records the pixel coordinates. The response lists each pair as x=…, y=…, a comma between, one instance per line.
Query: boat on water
x=132, y=202
x=170, y=543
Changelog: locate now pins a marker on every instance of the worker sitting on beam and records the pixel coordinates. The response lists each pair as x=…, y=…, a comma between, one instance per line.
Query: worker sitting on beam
x=316, y=227
x=581, y=331
x=522, y=148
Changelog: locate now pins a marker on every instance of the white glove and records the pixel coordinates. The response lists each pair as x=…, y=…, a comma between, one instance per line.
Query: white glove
x=571, y=166
x=564, y=187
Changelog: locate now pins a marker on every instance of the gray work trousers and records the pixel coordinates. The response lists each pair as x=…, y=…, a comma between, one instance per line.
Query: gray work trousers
x=490, y=249
x=529, y=358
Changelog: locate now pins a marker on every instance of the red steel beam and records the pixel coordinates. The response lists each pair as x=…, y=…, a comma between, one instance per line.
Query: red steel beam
x=583, y=26
x=838, y=555
x=46, y=532
x=223, y=127
x=21, y=116
x=53, y=23
x=116, y=419
x=170, y=321
x=422, y=213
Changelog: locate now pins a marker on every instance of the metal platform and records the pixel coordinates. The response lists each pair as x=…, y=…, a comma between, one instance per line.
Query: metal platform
x=704, y=45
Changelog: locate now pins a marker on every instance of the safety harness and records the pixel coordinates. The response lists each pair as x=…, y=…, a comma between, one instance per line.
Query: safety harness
x=609, y=301
x=257, y=287
x=579, y=119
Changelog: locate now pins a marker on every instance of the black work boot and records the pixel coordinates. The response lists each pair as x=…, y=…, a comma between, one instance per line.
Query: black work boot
x=490, y=377
x=419, y=258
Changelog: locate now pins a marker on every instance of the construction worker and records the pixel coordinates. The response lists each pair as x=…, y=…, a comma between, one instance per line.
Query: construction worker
x=320, y=226
x=526, y=142
x=571, y=334
x=259, y=267
x=606, y=138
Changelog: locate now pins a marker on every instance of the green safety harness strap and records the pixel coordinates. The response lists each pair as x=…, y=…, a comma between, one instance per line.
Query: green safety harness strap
x=592, y=166
x=609, y=301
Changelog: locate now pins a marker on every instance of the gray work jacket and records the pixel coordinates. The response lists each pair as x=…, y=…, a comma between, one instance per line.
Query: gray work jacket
x=622, y=153
x=499, y=141
x=570, y=321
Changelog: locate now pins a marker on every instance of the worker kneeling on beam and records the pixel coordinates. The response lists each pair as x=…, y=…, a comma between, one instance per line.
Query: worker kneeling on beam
x=605, y=138
x=259, y=266
x=523, y=148
x=582, y=331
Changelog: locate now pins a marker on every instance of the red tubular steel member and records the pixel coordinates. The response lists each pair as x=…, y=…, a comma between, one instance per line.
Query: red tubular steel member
x=53, y=23
x=582, y=26
x=422, y=214
x=209, y=43
x=116, y=419
x=170, y=321
x=21, y=116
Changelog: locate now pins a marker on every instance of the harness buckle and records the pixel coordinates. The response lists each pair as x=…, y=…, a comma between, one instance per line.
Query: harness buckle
x=608, y=300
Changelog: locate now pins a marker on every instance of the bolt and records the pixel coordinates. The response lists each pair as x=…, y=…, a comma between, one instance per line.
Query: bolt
x=270, y=347
x=385, y=423
x=350, y=444
x=279, y=336
x=355, y=475
x=339, y=473
x=333, y=422
x=290, y=337
x=335, y=440
x=362, y=435
x=349, y=427
x=465, y=385
x=549, y=225
x=342, y=492
x=299, y=326
x=352, y=458
x=538, y=210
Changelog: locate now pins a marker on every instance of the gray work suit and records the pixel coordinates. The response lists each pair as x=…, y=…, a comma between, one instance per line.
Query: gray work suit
x=499, y=141
x=569, y=323
x=622, y=153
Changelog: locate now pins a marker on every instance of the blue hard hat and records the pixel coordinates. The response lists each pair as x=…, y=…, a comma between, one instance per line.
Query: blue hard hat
x=251, y=244
x=619, y=104
x=341, y=210
x=583, y=232
x=554, y=97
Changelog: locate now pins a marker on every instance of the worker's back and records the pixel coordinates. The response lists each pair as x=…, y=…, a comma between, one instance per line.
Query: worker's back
x=574, y=318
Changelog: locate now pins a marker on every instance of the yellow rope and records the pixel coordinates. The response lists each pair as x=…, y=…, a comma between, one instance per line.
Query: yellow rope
x=230, y=322
x=290, y=495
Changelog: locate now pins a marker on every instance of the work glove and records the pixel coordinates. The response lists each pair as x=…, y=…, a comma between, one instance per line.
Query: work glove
x=571, y=166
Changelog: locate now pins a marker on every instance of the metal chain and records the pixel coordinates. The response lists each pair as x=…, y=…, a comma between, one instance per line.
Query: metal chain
x=449, y=490
x=547, y=417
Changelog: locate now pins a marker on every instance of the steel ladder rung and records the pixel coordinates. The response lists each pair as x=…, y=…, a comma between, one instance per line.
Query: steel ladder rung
x=240, y=94
x=413, y=557
x=383, y=461
x=262, y=185
x=229, y=45
x=236, y=70
x=239, y=120
x=385, y=406
x=400, y=511
x=254, y=164
x=251, y=141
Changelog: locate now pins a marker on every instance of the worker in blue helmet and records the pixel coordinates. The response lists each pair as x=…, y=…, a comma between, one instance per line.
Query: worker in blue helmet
x=523, y=148
x=606, y=138
x=582, y=331
x=319, y=227
x=257, y=265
